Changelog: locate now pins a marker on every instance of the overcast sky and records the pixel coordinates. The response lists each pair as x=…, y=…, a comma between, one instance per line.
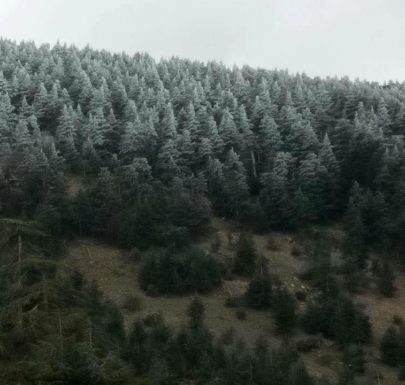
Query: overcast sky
x=358, y=38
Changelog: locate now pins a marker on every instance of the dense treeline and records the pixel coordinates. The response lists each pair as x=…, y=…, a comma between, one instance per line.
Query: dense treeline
x=270, y=148
x=54, y=327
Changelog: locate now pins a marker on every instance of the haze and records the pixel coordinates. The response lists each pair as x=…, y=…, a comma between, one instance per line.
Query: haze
x=362, y=39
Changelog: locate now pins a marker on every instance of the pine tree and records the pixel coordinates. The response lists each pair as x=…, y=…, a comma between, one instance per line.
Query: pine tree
x=269, y=139
x=167, y=160
x=228, y=132
x=384, y=119
x=263, y=105
x=22, y=136
x=235, y=184
x=386, y=280
x=169, y=124
x=353, y=358
x=129, y=146
x=284, y=311
x=274, y=195
x=195, y=312
x=246, y=255
x=298, y=375
x=355, y=244
x=301, y=139
x=260, y=291
x=65, y=134
x=304, y=210
x=389, y=347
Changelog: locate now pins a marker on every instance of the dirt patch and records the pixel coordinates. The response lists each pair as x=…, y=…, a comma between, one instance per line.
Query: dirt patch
x=75, y=184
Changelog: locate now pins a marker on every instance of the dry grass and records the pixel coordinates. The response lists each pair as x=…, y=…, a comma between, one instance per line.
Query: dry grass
x=75, y=184
x=381, y=310
x=116, y=277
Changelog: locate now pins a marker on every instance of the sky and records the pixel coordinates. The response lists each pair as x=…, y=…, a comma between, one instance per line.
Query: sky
x=362, y=39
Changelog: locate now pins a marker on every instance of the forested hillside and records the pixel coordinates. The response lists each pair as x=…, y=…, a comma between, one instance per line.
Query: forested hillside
x=161, y=147
x=269, y=148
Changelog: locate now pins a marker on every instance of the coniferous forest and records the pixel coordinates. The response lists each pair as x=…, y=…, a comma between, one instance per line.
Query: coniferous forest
x=163, y=148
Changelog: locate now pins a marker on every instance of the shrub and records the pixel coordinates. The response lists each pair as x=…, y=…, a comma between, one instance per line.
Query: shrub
x=259, y=292
x=241, y=314
x=337, y=318
x=228, y=336
x=233, y=301
x=132, y=303
x=272, y=244
x=135, y=255
x=246, y=255
x=180, y=272
x=296, y=250
x=301, y=295
x=216, y=244
x=308, y=344
x=284, y=311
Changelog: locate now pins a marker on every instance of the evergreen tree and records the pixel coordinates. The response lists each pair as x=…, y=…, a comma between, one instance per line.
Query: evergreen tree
x=260, y=291
x=355, y=228
x=299, y=375
x=269, y=138
x=386, y=280
x=274, y=195
x=246, y=255
x=228, y=132
x=389, y=347
x=65, y=134
x=284, y=311
x=195, y=312
x=235, y=184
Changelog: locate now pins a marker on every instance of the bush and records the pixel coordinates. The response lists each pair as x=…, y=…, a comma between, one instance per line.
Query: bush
x=296, y=250
x=259, y=292
x=272, y=244
x=152, y=291
x=216, y=244
x=228, y=336
x=233, y=301
x=180, y=272
x=284, y=311
x=241, y=314
x=135, y=255
x=386, y=281
x=132, y=303
x=301, y=295
x=246, y=255
x=338, y=319
x=308, y=344
x=401, y=373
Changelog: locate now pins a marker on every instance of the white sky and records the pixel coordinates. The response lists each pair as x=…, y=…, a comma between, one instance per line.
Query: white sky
x=358, y=38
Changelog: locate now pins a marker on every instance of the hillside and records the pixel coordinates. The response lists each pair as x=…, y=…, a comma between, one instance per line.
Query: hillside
x=116, y=275
x=183, y=222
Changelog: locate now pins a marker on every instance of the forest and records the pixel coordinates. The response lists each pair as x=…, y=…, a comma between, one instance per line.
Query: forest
x=163, y=148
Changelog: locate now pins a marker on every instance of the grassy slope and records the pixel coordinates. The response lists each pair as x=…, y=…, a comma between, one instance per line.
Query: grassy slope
x=116, y=276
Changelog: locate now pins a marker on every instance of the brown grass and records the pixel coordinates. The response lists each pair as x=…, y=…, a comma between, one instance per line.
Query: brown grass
x=75, y=184
x=116, y=277
x=382, y=310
